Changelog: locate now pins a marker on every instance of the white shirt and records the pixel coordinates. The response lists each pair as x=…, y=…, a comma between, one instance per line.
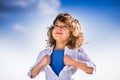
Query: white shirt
x=67, y=71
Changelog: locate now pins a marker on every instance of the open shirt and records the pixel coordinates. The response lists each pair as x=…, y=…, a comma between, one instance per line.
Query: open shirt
x=67, y=71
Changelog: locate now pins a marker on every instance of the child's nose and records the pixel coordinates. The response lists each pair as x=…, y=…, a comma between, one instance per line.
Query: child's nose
x=59, y=28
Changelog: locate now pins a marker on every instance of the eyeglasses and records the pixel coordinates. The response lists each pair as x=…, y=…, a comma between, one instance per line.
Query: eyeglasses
x=65, y=28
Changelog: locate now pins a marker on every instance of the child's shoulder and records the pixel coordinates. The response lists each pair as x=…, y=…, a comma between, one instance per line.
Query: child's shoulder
x=82, y=52
x=45, y=50
x=81, y=49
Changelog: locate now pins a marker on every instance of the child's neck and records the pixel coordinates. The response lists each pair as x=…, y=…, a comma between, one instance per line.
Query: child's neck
x=59, y=46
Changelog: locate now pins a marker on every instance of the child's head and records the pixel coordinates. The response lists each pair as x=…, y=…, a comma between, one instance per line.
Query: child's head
x=67, y=29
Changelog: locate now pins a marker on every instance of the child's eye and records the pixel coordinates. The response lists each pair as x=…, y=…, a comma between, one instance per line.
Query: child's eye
x=56, y=26
x=64, y=27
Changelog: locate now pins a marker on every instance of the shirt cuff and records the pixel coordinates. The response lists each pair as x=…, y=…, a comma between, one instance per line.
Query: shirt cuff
x=89, y=64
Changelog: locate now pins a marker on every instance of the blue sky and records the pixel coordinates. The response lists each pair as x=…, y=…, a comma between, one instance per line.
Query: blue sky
x=23, y=27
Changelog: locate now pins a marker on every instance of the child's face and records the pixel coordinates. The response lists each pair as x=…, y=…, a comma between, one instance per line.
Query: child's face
x=60, y=32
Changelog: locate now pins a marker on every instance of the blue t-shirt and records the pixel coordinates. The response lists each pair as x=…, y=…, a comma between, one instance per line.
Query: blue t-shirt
x=57, y=61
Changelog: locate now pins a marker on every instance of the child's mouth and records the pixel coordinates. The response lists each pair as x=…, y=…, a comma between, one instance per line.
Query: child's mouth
x=58, y=33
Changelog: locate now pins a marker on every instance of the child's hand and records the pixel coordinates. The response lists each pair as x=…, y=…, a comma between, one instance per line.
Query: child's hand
x=68, y=61
x=45, y=60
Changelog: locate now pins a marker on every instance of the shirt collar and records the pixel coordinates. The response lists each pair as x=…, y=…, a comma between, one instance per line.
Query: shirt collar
x=67, y=50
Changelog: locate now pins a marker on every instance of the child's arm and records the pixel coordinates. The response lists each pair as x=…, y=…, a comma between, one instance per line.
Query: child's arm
x=35, y=70
x=83, y=66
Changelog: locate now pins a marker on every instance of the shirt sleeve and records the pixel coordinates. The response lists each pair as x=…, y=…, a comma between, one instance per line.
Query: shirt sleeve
x=40, y=56
x=83, y=57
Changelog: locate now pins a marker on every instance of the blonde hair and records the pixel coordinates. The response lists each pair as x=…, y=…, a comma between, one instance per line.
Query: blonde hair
x=76, y=35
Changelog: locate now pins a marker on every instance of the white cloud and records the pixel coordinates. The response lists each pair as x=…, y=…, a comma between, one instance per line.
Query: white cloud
x=43, y=7
x=16, y=3
x=48, y=6
x=20, y=3
x=18, y=27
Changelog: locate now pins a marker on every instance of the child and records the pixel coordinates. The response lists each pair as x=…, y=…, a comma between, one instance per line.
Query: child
x=64, y=55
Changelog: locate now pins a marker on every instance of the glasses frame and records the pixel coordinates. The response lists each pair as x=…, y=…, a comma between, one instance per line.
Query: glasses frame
x=56, y=27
